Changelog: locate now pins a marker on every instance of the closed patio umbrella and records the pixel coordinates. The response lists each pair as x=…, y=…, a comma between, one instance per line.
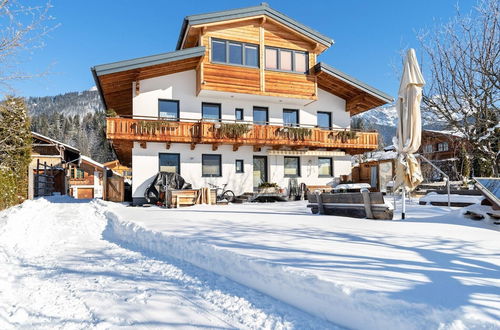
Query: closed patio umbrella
x=409, y=130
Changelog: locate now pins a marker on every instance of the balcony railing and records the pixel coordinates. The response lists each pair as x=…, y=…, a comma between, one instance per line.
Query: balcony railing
x=196, y=131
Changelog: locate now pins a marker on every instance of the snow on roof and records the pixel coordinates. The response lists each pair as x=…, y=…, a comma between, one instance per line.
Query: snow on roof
x=67, y=146
x=374, y=156
x=90, y=160
x=447, y=132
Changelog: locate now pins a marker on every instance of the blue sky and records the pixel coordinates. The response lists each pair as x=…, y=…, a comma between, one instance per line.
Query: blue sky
x=369, y=35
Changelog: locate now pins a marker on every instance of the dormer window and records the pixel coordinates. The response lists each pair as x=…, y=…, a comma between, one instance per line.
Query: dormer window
x=234, y=52
x=286, y=60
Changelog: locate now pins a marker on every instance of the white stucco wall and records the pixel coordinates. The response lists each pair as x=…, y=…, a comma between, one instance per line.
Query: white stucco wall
x=182, y=87
x=145, y=164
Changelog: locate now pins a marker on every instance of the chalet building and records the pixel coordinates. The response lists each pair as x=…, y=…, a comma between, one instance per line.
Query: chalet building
x=50, y=160
x=86, y=179
x=242, y=100
x=122, y=170
x=444, y=149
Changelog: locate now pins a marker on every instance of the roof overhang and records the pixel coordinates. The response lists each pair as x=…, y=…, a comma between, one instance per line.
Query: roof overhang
x=114, y=80
x=359, y=96
x=249, y=12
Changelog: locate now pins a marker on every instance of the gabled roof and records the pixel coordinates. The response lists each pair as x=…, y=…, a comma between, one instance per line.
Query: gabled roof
x=91, y=161
x=47, y=139
x=114, y=80
x=360, y=96
x=262, y=9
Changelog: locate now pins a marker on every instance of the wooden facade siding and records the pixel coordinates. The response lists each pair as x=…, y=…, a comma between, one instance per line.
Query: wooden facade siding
x=123, y=129
x=277, y=36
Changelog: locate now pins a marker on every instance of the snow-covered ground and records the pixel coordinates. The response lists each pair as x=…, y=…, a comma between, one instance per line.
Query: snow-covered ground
x=97, y=264
x=59, y=272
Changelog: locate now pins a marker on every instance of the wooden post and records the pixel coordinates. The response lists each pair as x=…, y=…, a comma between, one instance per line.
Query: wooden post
x=321, y=208
x=366, y=200
x=31, y=181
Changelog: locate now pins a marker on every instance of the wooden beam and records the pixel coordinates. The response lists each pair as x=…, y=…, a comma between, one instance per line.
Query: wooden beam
x=236, y=147
x=143, y=144
x=137, y=87
x=215, y=146
x=167, y=145
x=193, y=145
x=257, y=148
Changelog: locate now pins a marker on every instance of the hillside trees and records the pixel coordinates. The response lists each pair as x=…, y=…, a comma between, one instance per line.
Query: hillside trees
x=464, y=83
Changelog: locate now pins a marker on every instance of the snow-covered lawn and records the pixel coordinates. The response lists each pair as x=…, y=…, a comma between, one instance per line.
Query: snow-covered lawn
x=70, y=264
x=435, y=269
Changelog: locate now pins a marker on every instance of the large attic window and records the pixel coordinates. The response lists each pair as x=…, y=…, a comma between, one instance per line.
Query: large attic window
x=286, y=60
x=235, y=53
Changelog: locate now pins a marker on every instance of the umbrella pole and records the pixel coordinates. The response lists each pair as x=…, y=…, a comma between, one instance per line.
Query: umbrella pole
x=404, y=204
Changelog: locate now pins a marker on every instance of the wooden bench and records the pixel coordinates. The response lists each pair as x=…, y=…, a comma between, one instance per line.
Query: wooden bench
x=322, y=188
x=357, y=205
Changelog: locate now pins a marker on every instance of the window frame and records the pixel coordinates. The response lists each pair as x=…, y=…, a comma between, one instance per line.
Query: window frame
x=173, y=154
x=178, y=109
x=267, y=115
x=220, y=166
x=278, y=60
x=236, y=166
x=297, y=124
x=243, y=55
x=428, y=149
x=298, y=167
x=441, y=147
x=329, y=120
x=330, y=175
x=236, y=110
x=208, y=119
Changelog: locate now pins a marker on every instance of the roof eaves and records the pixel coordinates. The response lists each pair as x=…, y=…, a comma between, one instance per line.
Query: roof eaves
x=248, y=12
x=141, y=62
x=353, y=81
x=67, y=146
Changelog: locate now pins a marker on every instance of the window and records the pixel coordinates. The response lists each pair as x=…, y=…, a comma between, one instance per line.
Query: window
x=324, y=120
x=210, y=111
x=443, y=146
x=239, y=166
x=238, y=114
x=271, y=58
x=168, y=109
x=290, y=117
x=211, y=165
x=170, y=163
x=233, y=52
x=286, y=60
x=325, y=168
x=292, y=167
x=219, y=51
x=428, y=148
x=77, y=173
x=260, y=115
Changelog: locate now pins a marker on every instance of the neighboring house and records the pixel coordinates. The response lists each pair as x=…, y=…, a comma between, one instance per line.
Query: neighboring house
x=376, y=168
x=123, y=170
x=443, y=149
x=86, y=179
x=50, y=160
x=242, y=100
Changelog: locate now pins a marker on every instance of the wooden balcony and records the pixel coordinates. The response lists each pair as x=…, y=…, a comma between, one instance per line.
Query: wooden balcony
x=205, y=132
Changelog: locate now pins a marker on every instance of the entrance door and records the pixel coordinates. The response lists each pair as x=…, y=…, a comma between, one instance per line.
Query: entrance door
x=259, y=170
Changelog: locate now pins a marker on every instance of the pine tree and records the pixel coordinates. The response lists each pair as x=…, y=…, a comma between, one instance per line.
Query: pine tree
x=15, y=151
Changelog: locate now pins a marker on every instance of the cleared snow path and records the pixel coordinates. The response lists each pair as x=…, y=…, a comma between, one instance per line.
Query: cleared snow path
x=59, y=272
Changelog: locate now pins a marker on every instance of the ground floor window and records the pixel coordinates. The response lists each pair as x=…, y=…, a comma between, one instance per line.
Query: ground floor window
x=239, y=165
x=170, y=163
x=292, y=167
x=325, y=168
x=211, y=165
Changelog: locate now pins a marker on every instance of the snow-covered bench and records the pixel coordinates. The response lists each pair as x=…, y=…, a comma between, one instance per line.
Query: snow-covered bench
x=357, y=205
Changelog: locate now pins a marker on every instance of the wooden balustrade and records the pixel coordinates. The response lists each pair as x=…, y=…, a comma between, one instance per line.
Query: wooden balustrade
x=258, y=135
